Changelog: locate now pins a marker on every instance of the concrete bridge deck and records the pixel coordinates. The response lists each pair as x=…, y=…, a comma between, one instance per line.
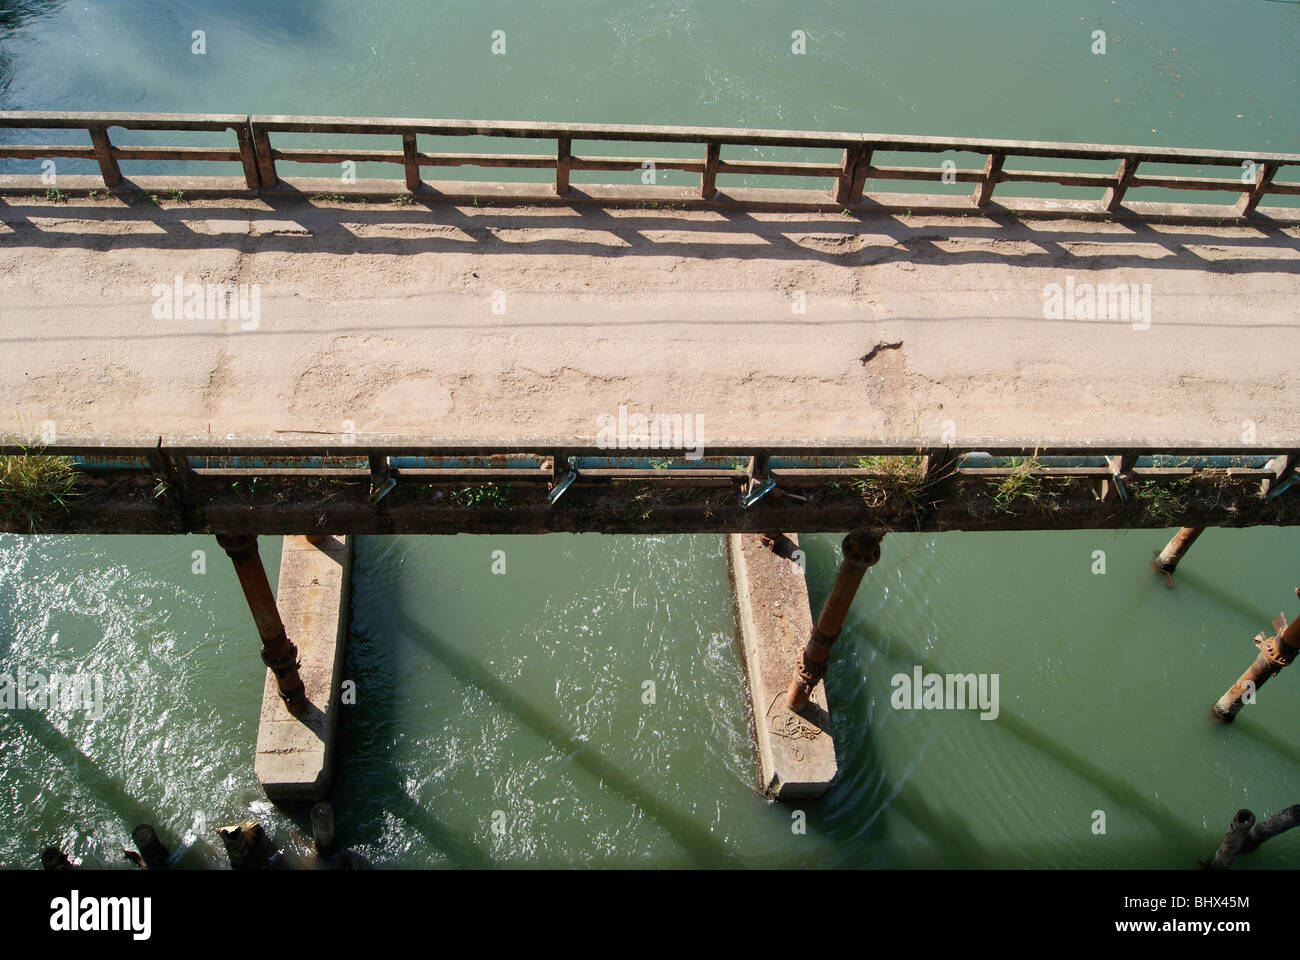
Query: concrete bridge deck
x=380, y=318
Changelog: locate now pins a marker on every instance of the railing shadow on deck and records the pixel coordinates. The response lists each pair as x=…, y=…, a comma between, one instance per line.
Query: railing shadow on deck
x=862, y=239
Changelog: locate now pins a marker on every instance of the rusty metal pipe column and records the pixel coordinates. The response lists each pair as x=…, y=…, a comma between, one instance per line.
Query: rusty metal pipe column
x=1166, y=560
x=1275, y=652
x=278, y=653
x=861, y=550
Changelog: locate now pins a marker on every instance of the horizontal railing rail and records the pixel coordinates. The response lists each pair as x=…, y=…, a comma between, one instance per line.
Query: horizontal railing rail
x=107, y=154
x=848, y=176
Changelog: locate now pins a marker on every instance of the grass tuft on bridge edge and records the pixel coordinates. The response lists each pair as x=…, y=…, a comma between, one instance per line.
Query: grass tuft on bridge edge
x=34, y=487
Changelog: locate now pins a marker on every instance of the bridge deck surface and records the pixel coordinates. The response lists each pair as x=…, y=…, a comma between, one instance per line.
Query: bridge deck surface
x=381, y=316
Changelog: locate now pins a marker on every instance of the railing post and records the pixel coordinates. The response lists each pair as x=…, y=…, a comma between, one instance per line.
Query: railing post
x=939, y=471
x=992, y=170
x=178, y=476
x=1281, y=465
x=382, y=479
x=563, y=162
x=265, y=156
x=108, y=167
x=1120, y=469
x=411, y=162
x=1114, y=196
x=1263, y=179
x=248, y=156
x=709, y=175
x=559, y=465
x=853, y=174
x=757, y=481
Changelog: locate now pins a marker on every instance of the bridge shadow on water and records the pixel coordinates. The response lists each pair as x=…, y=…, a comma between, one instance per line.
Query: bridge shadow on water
x=385, y=780
x=868, y=789
x=956, y=837
x=89, y=776
x=860, y=823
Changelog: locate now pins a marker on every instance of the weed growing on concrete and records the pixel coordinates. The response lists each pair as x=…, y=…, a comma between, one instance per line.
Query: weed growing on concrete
x=326, y=488
x=254, y=488
x=482, y=495
x=1164, y=501
x=898, y=480
x=1023, y=487
x=639, y=504
x=34, y=487
x=55, y=195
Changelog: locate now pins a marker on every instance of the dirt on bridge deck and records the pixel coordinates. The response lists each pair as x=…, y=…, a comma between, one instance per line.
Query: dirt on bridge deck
x=455, y=321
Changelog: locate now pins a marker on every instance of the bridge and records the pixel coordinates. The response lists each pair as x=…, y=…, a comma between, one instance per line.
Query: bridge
x=464, y=327
x=252, y=352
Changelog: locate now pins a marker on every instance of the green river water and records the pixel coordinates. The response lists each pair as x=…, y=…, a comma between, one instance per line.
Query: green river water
x=522, y=693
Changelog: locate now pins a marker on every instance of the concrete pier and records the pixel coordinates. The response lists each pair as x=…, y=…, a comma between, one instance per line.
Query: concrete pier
x=796, y=753
x=295, y=755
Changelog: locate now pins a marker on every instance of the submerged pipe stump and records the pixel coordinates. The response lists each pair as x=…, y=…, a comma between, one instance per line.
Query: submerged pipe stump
x=1241, y=824
x=151, y=848
x=861, y=551
x=322, y=829
x=1270, y=827
x=52, y=858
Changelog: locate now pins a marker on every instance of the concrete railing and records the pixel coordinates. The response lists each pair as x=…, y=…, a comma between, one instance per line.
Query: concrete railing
x=848, y=177
x=107, y=154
